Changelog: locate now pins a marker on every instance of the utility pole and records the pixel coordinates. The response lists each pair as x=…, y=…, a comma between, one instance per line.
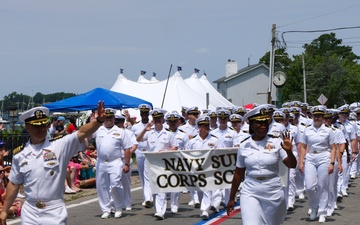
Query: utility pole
x=304, y=77
x=272, y=59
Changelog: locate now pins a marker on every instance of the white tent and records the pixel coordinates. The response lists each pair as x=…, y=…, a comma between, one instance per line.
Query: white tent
x=178, y=93
x=211, y=89
x=214, y=97
x=143, y=80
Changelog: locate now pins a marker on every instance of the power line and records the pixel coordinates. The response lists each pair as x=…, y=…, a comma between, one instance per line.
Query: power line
x=315, y=31
x=325, y=14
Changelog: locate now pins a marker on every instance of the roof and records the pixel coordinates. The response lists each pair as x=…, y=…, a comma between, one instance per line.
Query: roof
x=241, y=72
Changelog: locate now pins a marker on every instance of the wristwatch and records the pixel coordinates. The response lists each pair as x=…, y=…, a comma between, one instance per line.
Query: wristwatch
x=127, y=164
x=332, y=163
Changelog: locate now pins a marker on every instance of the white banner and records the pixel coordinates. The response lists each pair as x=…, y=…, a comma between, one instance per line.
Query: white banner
x=193, y=170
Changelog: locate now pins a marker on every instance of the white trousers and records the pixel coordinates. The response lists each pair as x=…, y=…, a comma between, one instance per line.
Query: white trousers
x=50, y=215
x=333, y=188
x=317, y=180
x=210, y=198
x=343, y=180
x=108, y=184
x=126, y=184
x=147, y=188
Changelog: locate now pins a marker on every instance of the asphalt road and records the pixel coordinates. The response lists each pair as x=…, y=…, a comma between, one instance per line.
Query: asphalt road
x=85, y=210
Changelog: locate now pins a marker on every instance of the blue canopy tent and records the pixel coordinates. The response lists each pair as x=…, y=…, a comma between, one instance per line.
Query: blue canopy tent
x=89, y=101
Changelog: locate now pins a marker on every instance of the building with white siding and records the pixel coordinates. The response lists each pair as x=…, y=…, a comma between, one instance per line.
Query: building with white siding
x=247, y=85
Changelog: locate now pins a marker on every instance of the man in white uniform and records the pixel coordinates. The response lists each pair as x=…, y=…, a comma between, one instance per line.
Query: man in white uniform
x=126, y=177
x=158, y=139
x=205, y=140
x=110, y=142
x=172, y=119
x=142, y=146
x=40, y=166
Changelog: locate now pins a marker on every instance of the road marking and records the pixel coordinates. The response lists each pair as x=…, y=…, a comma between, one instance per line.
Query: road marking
x=72, y=206
x=220, y=217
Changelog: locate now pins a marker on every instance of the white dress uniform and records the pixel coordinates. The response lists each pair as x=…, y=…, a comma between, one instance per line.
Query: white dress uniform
x=262, y=197
x=294, y=133
x=226, y=139
x=333, y=182
x=110, y=143
x=318, y=141
x=126, y=178
x=354, y=164
x=157, y=140
x=42, y=170
x=189, y=129
x=210, y=198
x=182, y=140
x=140, y=157
x=349, y=133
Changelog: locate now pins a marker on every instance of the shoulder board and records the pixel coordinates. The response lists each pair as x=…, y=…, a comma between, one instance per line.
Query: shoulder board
x=181, y=130
x=167, y=129
x=336, y=127
x=245, y=131
x=57, y=137
x=245, y=139
x=213, y=136
x=18, y=149
x=137, y=122
x=193, y=137
x=327, y=126
x=231, y=128
x=273, y=136
x=341, y=123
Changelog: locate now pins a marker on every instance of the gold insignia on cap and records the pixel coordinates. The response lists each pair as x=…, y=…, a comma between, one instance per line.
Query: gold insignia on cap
x=263, y=111
x=39, y=114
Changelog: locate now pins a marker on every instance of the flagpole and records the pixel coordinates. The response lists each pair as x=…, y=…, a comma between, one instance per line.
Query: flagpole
x=162, y=104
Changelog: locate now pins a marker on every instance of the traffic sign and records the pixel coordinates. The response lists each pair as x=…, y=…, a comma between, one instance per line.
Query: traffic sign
x=322, y=99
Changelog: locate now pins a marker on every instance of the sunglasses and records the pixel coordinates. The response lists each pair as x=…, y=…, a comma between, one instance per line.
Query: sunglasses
x=2, y=171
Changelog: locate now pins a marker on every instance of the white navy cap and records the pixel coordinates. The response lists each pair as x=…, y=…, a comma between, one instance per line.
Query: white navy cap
x=295, y=110
x=120, y=117
x=36, y=116
x=318, y=110
x=286, y=111
x=239, y=110
x=357, y=110
x=286, y=105
x=193, y=110
x=172, y=116
x=144, y=108
x=344, y=108
x=295, y=104
x=183, y=109
x=203, y=119
x=259, y=113
x=110, y=112
x=212, y=114
x=235, y=118
x=278, y=114
x=223, y=113
x=157, y=112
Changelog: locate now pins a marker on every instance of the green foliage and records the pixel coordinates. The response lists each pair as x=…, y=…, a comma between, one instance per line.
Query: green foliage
x=331, y=69
x=24, y=102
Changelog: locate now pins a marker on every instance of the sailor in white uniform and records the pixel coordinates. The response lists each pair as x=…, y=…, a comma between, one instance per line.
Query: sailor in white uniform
x=158, y=139
x=319, y=149
x=111, y=144
x=205, y=140
x=40, y=166
x=142, y=147
x=262, y=198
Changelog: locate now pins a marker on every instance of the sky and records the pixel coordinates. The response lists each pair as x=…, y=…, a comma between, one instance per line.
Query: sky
x=77, y=45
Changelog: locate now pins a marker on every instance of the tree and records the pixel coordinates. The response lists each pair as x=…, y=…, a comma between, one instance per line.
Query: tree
x=331, y=69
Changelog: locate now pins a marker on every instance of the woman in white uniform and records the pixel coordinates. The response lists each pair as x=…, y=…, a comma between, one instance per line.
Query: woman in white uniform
x=319, y=151
x=259, y=155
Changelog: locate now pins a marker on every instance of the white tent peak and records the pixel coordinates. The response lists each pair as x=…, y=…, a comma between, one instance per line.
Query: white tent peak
x=143, y=80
